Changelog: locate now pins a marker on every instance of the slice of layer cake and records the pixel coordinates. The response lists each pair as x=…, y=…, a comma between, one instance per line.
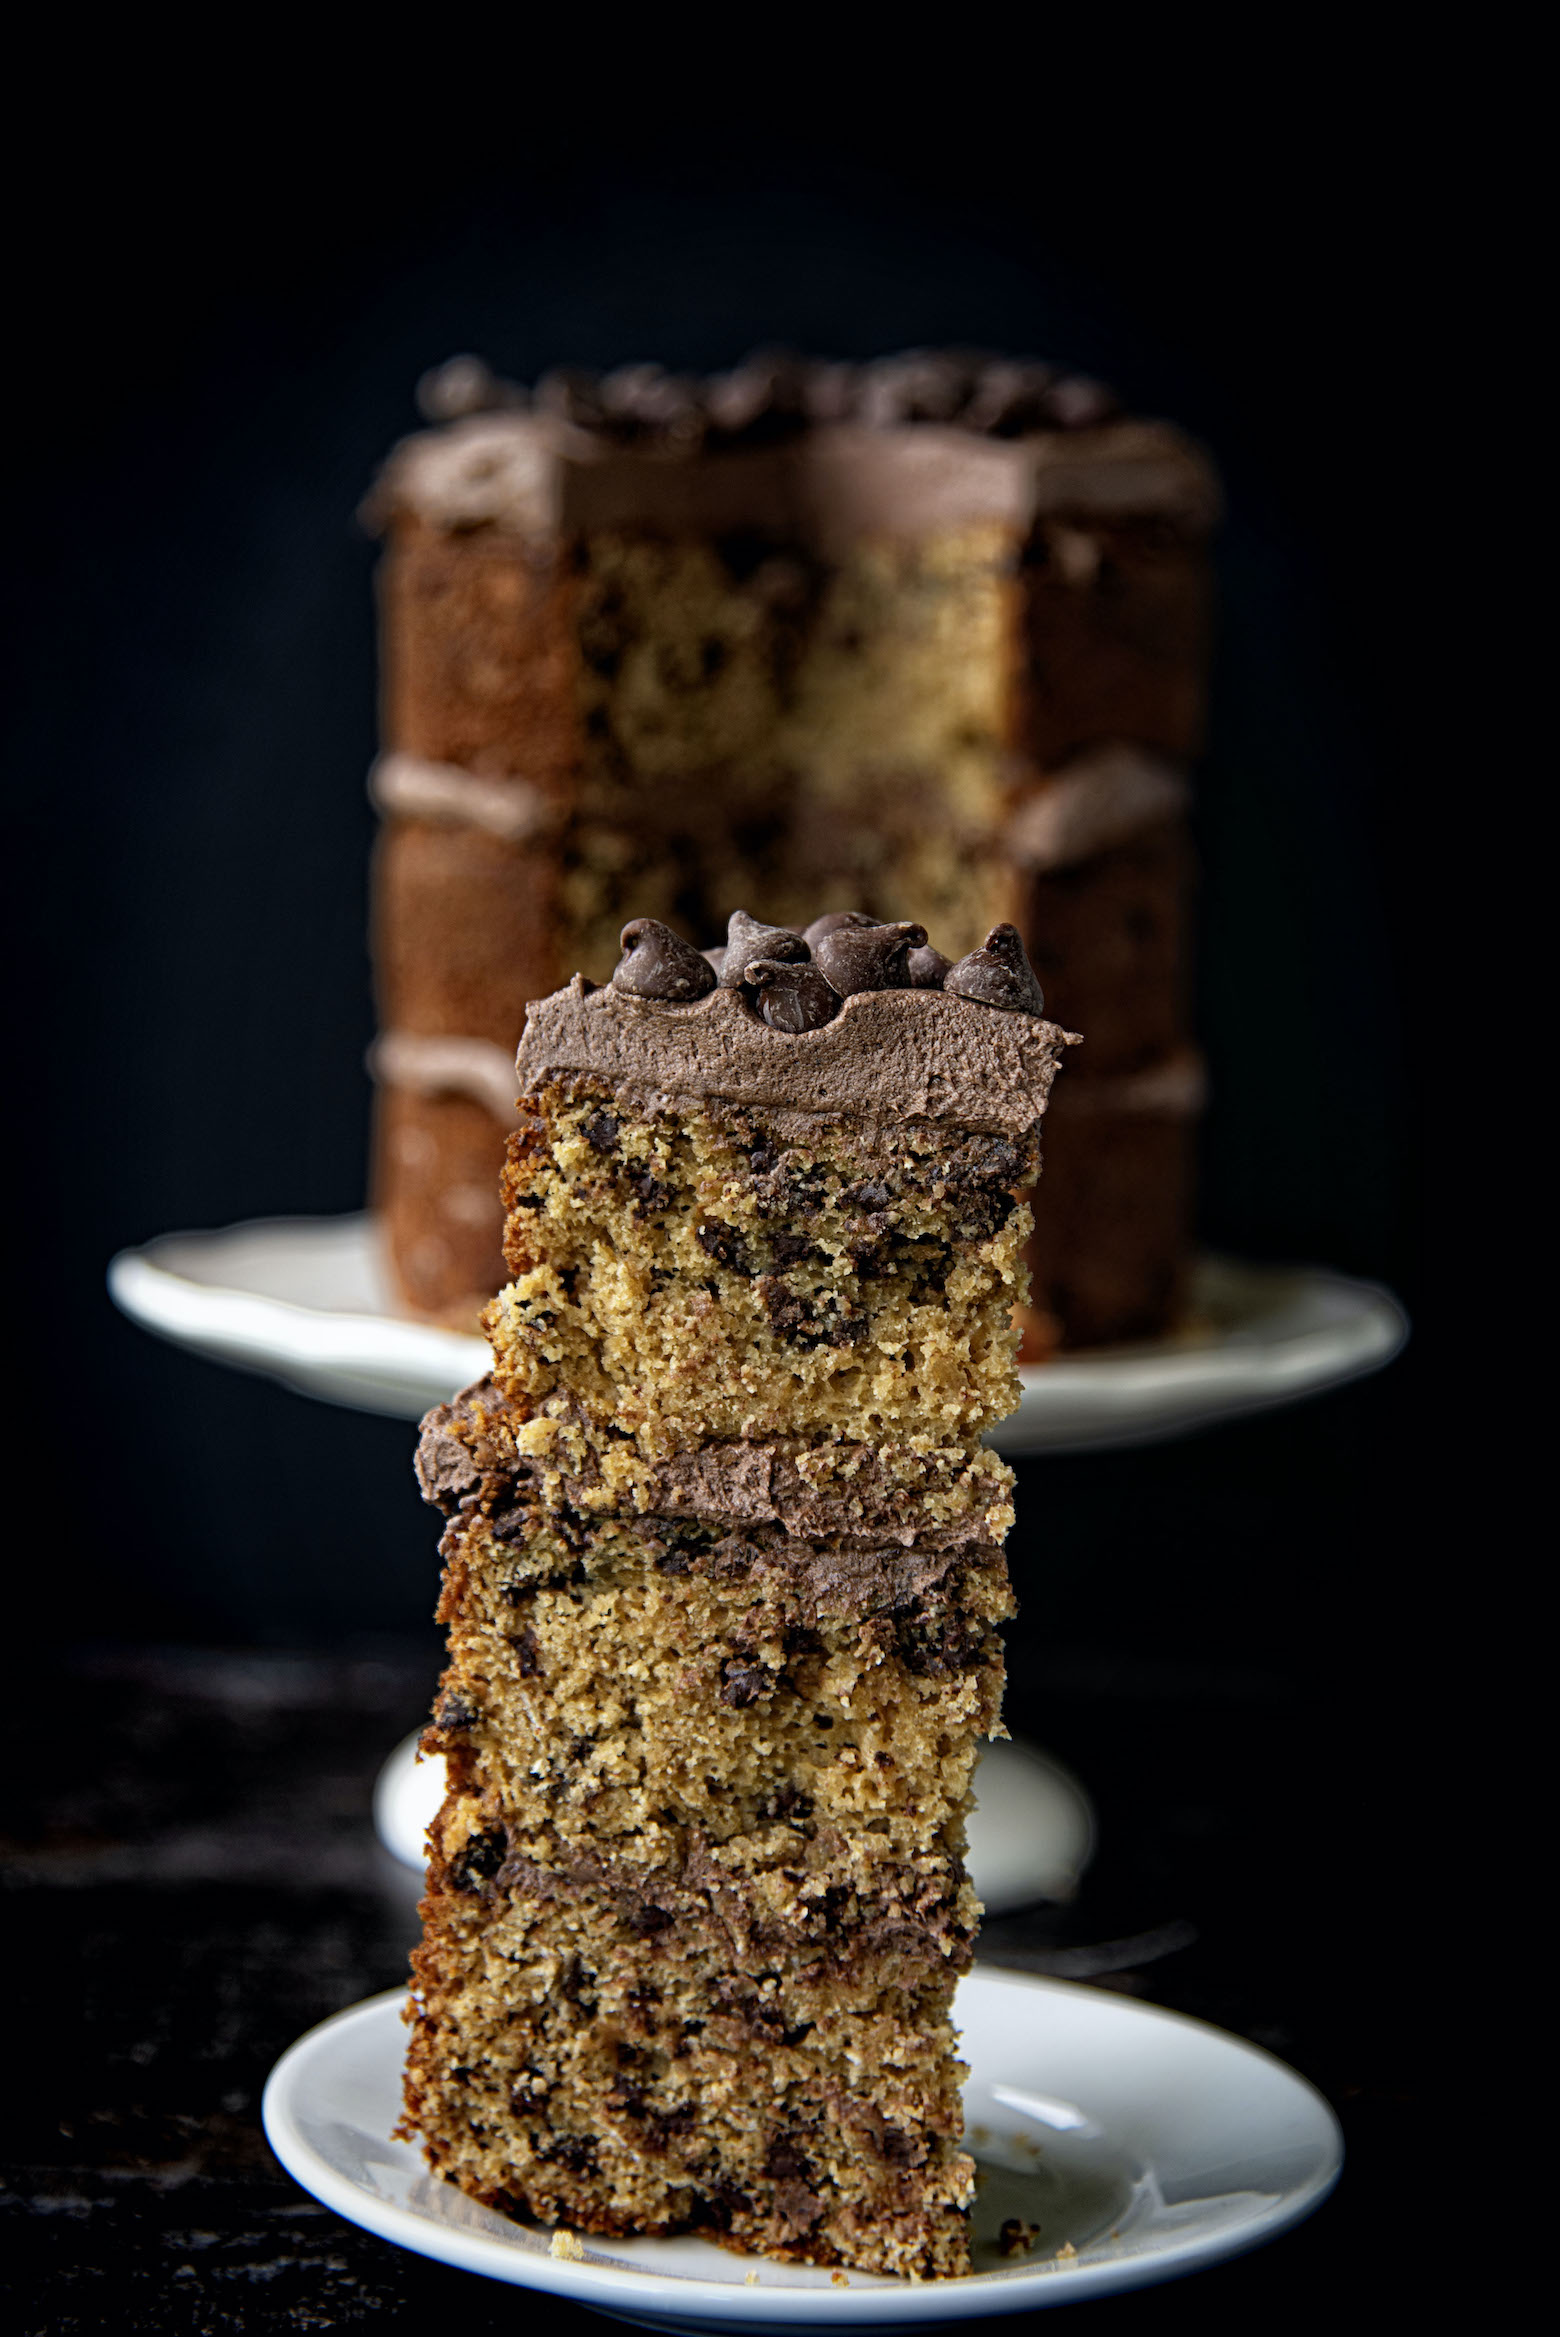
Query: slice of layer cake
x=926, y=636
x=723, y=1597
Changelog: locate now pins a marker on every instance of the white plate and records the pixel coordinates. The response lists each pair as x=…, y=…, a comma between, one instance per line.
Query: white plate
x=1142, y=2144
x=1031, y=1831
x=306, y=1300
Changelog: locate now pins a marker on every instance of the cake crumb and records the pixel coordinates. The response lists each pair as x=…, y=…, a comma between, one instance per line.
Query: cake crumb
x=567, y=2246
x=750, y=2280
x=838, y=2280
x=1016, y=2237
x=1066, y=2253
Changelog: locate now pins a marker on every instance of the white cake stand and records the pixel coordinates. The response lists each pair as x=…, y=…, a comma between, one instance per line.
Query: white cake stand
x=307, y=1301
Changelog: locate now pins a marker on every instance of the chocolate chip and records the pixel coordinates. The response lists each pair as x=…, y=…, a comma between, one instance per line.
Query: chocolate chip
x=869, y=957
x=794, y=1249
x=744, y=1683
x=790, y=1317
x=792, y=997
x=747, y=941
x=646, y=400
x=479, y=1859
x=1076, y=403
x=787, y=2160
x=576, y=1982
x=572, y=395
x=719, y=2208
x=715, y=957
x=998, y=974
x=725, y=1245
x=760, y=398
x=658, y=963
x=601, y=1131
x=528, y=1660
x=832, y=922
x=453, y=1711
x=922, y=385
x=461, y=386
x=786, y=1802
x=645, y=1921
x=926, y=967
x=652, y=1195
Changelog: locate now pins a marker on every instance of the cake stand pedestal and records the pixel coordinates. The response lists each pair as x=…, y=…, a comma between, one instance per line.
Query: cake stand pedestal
x=307, y=1301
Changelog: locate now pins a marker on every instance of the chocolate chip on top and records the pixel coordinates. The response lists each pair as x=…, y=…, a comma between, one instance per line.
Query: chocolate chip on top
x=869, y=957
x=746, y=940
x=791, y=997
x=658, y=963
x=831, y=922
x=927, y=967
x=998, y=974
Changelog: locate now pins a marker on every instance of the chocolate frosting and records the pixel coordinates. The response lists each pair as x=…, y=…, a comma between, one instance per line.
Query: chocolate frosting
x=832, y=1494
x=888, y=1057
x=830, y=485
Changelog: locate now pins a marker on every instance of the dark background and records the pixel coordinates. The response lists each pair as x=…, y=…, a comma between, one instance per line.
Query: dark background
x=224, y=321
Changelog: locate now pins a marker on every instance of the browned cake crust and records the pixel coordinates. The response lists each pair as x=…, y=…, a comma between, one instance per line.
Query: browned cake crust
x=723, y=1586
x=837, y=649
x=1108, y=1252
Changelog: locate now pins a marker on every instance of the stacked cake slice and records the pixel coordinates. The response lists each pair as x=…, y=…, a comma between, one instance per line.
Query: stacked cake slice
x=723, y=1580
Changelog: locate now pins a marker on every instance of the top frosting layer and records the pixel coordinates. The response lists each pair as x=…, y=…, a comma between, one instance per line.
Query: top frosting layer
x=887, y=1057
x=825, y=454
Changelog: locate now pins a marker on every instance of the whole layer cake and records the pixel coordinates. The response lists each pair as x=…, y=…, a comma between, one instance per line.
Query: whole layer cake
x=723, y=1581
x=922, y=638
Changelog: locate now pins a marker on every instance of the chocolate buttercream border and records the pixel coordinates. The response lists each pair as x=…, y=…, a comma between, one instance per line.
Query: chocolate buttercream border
x=539, y=477
x=888, y=1060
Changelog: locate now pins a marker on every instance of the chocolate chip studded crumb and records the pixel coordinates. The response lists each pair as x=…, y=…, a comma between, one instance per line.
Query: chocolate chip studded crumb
x=1016, y=2238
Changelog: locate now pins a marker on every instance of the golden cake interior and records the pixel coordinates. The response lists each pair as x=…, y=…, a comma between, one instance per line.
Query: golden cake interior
x=678, y=1277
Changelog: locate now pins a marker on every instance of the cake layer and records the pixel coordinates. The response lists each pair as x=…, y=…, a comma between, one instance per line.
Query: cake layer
x=1108, y=936
x=1108, y=1253
x=478, y=1458
x=620, y=1676
x=466, y=925
x=757, y=2050
x=436, y=1194
x=686, y=1276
